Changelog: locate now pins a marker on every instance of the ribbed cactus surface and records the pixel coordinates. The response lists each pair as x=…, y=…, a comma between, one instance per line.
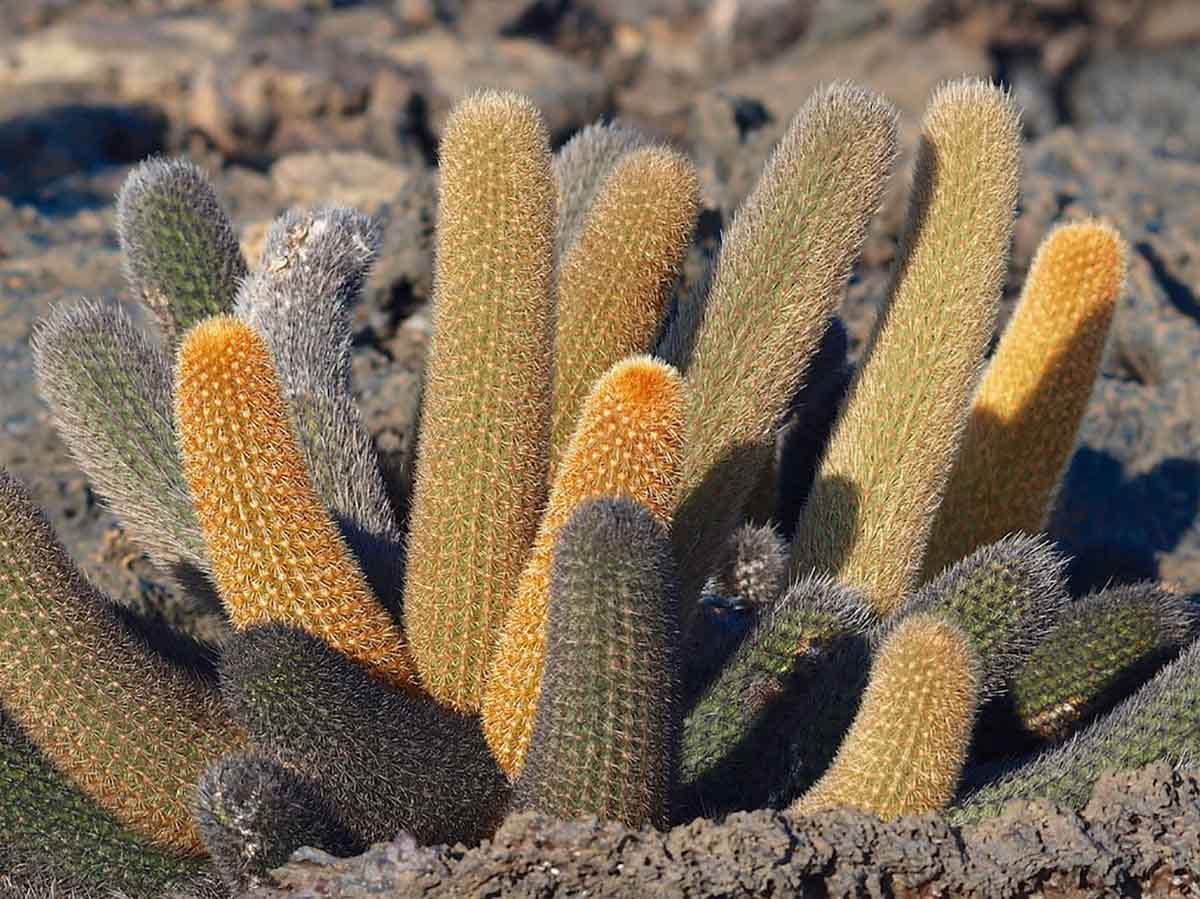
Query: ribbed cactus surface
x=628, y=443
x=482, y=456
x=276, y=554
x=605, y=740
x=129, y=730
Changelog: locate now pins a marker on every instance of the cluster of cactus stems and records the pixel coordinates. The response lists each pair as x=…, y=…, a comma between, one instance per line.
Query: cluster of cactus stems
x=667, y=554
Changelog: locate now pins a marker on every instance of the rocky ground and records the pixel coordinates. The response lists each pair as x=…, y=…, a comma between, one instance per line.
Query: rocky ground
x=314, y=101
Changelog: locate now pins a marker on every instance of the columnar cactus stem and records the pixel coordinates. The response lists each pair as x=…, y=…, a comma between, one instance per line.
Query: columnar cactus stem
x=181, y=255
x=869, y=515
x=606, y=737
x=276, y=554
x=110, y=390
x=1102, y=645
x=1160, y=721
x=131, y=731
x=905, y=751
x=614, y=282
x=56, y=840
x=1033, y=394
x=482, y=454
x=310, y=273
x=780, y=275
x=385, y=761
x=581, y=167
x=628, y=443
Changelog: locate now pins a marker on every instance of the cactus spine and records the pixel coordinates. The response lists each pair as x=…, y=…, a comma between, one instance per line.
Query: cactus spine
x=276, y=555
x=614, y=282
x=780, y=275
x=1101, y=645
x=130, y=731
x=181, y=256
x=110, y=391
x=1033, y=394
x=868, y=517
x=51, y=833
x=905, y=751
x=627, y=443
x=482, y=463
x=310, y=273
x=253, y=813
x=385, y=761
x=1160, y=721
x=605, y=740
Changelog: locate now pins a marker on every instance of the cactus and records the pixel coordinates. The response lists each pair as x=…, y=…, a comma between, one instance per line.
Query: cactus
x=1033, y=394
x=182, y=258
x=614, y=282
x=253, y=813
x=904, y=753
x=606, y=737
x=482, y=459
x=580, y=169
x=276, y=555
x=385, y=761
x=565, y=633
x=1160, y=721
x=1103, y=645
x=736, y=734
x=311, y=271
x=627, y=442
x=1004, y=597
x=110, y=391
x=53, y=837
x=869, y=514
x=780, y=275
x=754, y=566
x=129, y=730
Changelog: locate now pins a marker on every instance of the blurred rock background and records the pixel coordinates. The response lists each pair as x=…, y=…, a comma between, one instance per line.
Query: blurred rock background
x=317, y=101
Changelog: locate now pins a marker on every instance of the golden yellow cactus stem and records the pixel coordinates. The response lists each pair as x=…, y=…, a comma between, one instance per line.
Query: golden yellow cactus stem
x=614, y=281
x=905, y=751
x=1027, y=410
x=276, y=554
x=628, y=442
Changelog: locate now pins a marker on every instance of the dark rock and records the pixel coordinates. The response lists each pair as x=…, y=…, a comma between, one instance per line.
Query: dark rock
x=285, y=90
x=1129, y=506
x=569, y=95
x=1151, y=93
x=1155, y=203
x=1139, y=835
x=53, y=135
